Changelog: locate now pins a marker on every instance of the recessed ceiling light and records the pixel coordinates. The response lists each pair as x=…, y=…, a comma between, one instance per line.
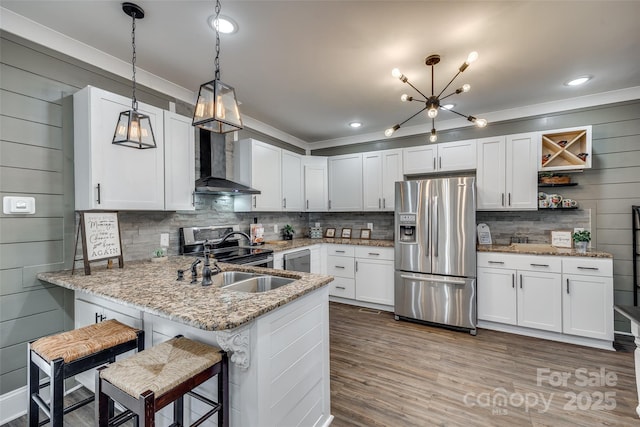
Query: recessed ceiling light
x=226, y=24
x=448, y=106
x=578, y=81
x=355, y=125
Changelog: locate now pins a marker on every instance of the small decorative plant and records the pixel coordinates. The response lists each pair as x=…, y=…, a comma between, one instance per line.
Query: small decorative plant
x=287, y=232
x=582, y=239
x=158, y=254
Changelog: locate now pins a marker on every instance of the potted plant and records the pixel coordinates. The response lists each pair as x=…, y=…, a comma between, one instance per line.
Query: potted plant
x=287, y=232
x=582, y=239
x=159, y=255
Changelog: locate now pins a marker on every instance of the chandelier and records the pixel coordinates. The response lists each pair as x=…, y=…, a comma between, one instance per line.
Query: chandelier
x=433, y=103
x=134, y=128
x=216, y=108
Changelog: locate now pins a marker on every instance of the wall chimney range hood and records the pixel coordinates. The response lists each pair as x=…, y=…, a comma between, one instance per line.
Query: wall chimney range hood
x=213, y=168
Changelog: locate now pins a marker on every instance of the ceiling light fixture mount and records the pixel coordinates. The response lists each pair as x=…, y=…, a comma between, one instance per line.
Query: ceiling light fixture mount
x=134, y=128
x=433, y=103
x=217, y=108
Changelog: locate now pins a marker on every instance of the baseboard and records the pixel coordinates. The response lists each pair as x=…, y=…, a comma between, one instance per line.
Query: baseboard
x=364, y=304
x=14, y=404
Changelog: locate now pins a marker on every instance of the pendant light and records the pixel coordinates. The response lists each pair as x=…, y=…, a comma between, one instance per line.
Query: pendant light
x=134, y=128
x=216, y=108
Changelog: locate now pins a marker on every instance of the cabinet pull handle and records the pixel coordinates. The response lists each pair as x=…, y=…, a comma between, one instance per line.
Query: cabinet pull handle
x=98, y=193
x=567, y=285
x=307, y=204
x=329, y=204
x=96, y=318
x=384, y=203
x=356, y=266
x=502, y=197
x=284, y=202
x=496, y=262
x=255, y=201
x=339, y=266
x=193, y=198
x=513, y=280
x=539, y=265
x=341, y=287
x=434, y=163
x=588, y=268
x=379, y=203
x=439, y=162
x=509, y=199
x=339, y=252
x=374, y=253
x=521, y=281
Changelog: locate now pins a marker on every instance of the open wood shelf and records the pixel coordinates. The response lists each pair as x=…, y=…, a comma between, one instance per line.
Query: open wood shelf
x=566, y=149
x=568, y=184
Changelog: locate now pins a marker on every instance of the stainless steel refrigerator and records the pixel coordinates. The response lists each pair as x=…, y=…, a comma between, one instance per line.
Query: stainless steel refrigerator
x=435, y=251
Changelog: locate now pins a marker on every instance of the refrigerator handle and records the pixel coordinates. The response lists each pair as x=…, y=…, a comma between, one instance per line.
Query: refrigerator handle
x=435, y=226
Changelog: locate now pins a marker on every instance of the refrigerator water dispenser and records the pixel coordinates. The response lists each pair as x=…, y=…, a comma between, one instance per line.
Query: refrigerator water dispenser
x=407, y=228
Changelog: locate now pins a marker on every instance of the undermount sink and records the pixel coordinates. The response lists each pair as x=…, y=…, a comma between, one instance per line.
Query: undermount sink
x=230, y=277
x=258, y=284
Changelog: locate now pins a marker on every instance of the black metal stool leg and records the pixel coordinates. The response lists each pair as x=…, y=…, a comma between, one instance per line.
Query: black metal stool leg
x=57, y=392
x=178, y=411
x=223, y=390
x=33, y=377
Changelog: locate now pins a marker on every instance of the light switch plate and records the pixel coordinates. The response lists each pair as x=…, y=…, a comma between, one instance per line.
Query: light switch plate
x=12, y=205
x=370, y=226
x=164, y=240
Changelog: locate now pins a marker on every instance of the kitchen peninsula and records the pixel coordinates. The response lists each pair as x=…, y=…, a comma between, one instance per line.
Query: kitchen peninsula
x=278, y=340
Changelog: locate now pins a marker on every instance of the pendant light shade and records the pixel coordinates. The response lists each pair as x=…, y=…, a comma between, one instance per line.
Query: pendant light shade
x=217, y=108
x=133, y=128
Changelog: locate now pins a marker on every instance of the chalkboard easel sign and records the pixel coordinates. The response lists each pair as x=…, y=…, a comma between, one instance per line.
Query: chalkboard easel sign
x=100, y=237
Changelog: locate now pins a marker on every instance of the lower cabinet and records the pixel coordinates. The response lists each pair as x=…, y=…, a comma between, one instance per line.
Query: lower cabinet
x=560, y=298
x=363, y=275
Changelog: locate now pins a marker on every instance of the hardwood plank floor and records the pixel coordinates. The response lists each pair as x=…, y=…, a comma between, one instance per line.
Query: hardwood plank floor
x=402, y=374
x=390, y=373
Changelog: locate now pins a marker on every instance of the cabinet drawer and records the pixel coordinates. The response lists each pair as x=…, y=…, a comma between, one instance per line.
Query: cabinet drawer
x=342, y=287
x=497, y=260
x=374, y=252
x=340, y=250
x=548, y=264
x=588, y=266
x=340, y=266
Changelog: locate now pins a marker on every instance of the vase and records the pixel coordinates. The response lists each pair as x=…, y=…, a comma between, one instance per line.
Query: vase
x=581, y=247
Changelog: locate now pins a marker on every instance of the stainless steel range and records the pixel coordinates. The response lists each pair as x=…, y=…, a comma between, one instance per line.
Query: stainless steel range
x=224, y=241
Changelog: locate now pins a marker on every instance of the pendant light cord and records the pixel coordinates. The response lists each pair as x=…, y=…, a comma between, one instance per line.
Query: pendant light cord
x=134, y=101
x=216, y=61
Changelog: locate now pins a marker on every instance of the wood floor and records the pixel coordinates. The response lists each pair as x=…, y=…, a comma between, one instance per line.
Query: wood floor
x=397, y=374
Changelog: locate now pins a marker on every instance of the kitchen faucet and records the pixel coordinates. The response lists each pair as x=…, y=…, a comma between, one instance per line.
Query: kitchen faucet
x=194, y=270
x=224, y=239
x=206, y=270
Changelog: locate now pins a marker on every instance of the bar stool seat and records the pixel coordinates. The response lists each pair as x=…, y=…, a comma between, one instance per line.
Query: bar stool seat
x=68, y=353
x=154, y=378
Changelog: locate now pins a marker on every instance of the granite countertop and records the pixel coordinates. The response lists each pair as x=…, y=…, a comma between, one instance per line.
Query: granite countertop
x=285, y=245
x=540, y=249
x=630, y=312
x=152, y=287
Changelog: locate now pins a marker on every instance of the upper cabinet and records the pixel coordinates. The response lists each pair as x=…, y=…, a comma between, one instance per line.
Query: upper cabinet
x=179, y=162
x=380, y=171
x=258, y=165
x=114, y=177
x=444, y=157
x=565, y=149
x=292, y=182
x=507, y=173
x=345, y=183
x=316, y=195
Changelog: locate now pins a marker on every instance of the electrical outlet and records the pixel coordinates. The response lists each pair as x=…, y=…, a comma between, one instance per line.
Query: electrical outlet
x=317, y=224
x=370, y=226
x=275, y=228
x=164, y=240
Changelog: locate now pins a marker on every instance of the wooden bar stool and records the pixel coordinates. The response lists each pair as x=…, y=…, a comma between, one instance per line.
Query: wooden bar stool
x=152, y=379
x=66, y=354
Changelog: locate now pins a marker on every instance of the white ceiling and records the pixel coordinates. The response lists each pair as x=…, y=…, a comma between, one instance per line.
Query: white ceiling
x=308, y=68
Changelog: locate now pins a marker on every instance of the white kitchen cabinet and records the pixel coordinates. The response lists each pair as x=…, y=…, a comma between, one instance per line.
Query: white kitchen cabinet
x=258, y=165
x=89, y=309
x=345, y=183
x=316, y=195
x=109, y=176
x=380, y=171
x=292, y=182
x=507, y=173
x=443, y=157
x=587, y=297
x=520, y=290
x=341, y=265
x=179, y=162
x=374, y=275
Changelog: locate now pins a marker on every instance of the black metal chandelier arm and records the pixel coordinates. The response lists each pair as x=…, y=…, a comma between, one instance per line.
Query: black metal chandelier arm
x=400, y=124
x=449, y=84
x=416, y=89
x=455, y=112
x=451, y=94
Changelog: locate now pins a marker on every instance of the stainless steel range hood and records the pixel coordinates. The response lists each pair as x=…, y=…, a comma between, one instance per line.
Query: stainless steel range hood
x=213, y=168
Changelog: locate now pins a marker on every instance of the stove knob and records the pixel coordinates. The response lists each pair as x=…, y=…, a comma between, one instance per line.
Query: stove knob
x=180, y=275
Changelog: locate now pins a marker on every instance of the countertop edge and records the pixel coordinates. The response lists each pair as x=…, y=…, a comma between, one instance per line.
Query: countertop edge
x=550, y=251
